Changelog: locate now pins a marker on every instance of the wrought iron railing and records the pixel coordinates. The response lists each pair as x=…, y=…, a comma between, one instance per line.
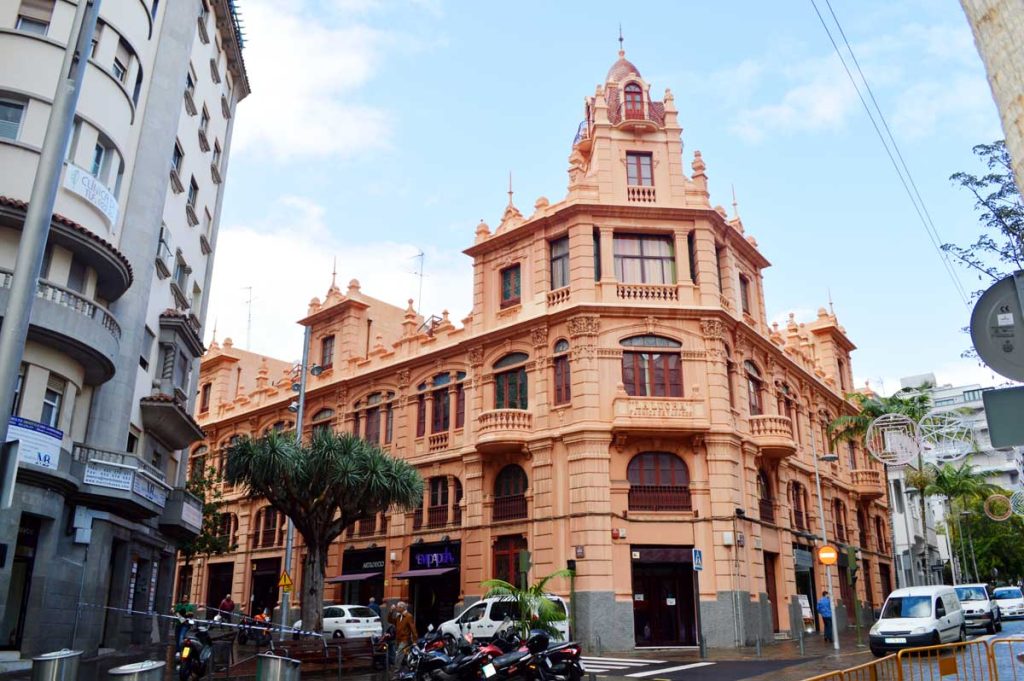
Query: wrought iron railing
x=659, y=498
x=510, y=507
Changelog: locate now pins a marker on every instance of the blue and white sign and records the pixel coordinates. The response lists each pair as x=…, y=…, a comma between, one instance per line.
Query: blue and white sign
x=81, y=182
x=39, y=444
x=698, y=560
x=149, y=490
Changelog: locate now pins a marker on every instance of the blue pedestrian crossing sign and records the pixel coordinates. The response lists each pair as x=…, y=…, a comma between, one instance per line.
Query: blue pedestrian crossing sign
x=698, y=560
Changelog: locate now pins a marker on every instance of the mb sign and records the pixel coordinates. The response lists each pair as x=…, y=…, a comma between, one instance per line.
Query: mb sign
x=698, y=560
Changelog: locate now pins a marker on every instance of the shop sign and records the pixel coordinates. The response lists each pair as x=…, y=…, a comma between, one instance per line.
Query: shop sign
x=38, y=444
x=113, y=477
x=81, y=182
x=149, y=490
x=428, y=556
x=192, y=515
x=803, y=558
x=368, y=560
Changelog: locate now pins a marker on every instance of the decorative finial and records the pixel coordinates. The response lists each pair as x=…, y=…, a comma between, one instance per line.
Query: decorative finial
x=622, y=50
x=510, y=187
x=831, y=307
x=215, y=320
x=334, y=273
x=735, y=205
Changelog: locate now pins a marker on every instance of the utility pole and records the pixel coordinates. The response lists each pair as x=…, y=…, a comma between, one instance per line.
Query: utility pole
x=36, y=229
x=824, y=540
x=248, y=319
x=289, y=541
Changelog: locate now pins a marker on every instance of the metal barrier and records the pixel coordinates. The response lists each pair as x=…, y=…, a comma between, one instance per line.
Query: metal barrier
x=1005, y=658
x=967, y=661
x=884, y=669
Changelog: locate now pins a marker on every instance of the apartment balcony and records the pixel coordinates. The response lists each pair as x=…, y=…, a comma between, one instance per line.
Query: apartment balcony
x=182, y=518
x=660, y=498
x=511, y=507
x=558, y=296
x=51, y=471
x=72, y=324
x=660, y=415
x=868, y=484
x=766, y=508
x=119, y=482
x=647, y=293
x=773, y=435
x=638, y=119
x=505, y=430
x=640, y=194
x=167, y=418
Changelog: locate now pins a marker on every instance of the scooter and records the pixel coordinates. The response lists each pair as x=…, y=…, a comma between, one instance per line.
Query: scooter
x=196, y=652
x=380, y=644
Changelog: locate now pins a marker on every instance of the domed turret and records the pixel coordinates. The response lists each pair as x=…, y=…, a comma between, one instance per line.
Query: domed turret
x=622, y=69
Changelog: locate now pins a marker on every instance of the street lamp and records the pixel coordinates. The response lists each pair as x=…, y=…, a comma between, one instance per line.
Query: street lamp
x=824, y=533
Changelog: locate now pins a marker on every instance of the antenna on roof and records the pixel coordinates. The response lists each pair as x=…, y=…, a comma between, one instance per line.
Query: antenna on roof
x=831, y=308
x=248, y=321
x=621, y=48
x=510, y=187
x=419, y=273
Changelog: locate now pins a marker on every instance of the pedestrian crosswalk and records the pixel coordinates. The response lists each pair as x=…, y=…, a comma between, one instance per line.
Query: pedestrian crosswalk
x=633, y=667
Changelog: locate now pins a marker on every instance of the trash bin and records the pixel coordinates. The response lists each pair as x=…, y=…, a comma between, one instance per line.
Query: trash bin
x=149, y=670
x=61, y=665
x=274, y=668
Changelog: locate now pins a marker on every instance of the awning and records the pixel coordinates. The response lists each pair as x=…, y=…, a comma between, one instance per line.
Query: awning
x=430, y=572
x=354, y=577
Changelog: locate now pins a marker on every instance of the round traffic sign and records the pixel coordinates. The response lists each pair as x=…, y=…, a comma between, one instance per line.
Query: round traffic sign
x=997, y=327
x=828, y=555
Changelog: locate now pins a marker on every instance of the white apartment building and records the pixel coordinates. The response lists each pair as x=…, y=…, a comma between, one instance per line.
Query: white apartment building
x=108, y=377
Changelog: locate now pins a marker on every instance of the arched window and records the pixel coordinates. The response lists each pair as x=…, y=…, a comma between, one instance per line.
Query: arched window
x=880, y=535
x=656, y=371
x=322, y=420
x=227, y=526
x=658, y=481
x=839, y=516
x=439, y=392
x=755, y=384
x=510, y=493
x=764, y=497
x=634, y=102
x=197, y=463
x=510, y=386
x=268, y=526
x=563, y=380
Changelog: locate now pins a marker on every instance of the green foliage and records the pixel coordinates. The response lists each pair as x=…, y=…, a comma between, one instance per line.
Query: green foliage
x=959, y=483
x=909, y=402
x=323, y=486
x=205, y=484
x=537, y=611
x=997, y=544
x=999, y=249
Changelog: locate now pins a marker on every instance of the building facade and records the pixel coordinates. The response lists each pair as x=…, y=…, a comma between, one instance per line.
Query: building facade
x=103, y=413
x=616, y=397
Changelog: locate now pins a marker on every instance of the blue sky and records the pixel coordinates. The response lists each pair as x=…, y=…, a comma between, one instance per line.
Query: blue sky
x=376, y=129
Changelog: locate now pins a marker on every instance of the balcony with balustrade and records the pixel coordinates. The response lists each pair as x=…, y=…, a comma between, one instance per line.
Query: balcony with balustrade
x=773, y=435
x=503, y=430
x=659, y=415
x=868, y=484
x=120, y=482
x=660, y=498
x=509, y=507
x=182, y=517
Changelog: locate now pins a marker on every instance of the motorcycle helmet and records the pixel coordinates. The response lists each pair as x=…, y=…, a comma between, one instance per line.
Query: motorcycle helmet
x=538, y=641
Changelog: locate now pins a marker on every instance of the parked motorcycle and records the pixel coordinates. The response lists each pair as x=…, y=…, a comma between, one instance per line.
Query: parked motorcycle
x=194, y=658
x=380, y=646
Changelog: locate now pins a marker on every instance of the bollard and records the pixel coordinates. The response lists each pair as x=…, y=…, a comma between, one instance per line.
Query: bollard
x=61, y=665
x=149, y=670
x=275, y=668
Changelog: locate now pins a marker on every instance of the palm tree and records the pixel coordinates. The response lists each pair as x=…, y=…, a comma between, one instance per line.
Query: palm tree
x=958, y=483
x=912, y=402
x=324, y=487
x=536, y=610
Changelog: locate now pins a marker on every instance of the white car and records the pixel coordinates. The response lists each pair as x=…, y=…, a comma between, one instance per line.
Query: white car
x=483, y=618
x=918, y=616
x=980, y=611
x=349, y=621
x=1010, y=601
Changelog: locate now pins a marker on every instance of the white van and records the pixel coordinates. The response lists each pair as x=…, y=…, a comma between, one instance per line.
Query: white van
x=981, y=611
x=918, y=616
x=483, y=618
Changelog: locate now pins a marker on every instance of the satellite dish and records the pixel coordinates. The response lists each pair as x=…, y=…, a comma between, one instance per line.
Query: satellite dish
x=997, y=326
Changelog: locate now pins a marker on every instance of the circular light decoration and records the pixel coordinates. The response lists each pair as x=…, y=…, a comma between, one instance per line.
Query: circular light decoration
x=998, y=507
x=945, y=436
x=893, y=439
x=1017, y=502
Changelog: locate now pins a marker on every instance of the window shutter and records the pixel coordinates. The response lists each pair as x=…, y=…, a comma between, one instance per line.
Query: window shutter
x=40, y=10
x=628, y=372
x=675, y=376
x=56, y=384
x=421, y=416
x=460, y=407
x=659, y=365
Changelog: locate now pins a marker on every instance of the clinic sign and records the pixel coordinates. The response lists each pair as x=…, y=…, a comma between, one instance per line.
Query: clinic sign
x=81, y=182
x=38, y=444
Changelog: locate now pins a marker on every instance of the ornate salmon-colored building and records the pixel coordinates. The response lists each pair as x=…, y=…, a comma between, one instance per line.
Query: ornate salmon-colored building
x=616, y=397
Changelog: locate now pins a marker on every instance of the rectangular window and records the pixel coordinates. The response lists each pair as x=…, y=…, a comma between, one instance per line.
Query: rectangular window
x=389, y=423
x=421, y=416
x=193, y=192
x=327, y=352
x=563, y=387
x=98, y=154
x=744, y=294
x=440, y=413
x=137, y=91
x=53, y=398
x=120, y=70
x=510, y=286
x=372, y=425
x=181, y=371
x=177, y=156
x=132, y=443
x=720, y=266
x=204, y=398
x=190, y=82
x=153, y=8
x=691, y=251
x=17, y=390
x=638, y=169
x=597, y=255
x=122, y=59
x=897, y=496
x=216, y=153
x=852, y=452
x=652, y=374
x=204, y=120
x=34, y=16
x=645, y=260
x=147, y=349
x=559, y=263
x=76, y=276
x=510, y=390
x=460, y=406
x=10, y=119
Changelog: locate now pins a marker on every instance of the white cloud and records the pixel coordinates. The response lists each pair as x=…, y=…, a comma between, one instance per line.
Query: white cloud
x=964, y=100
x=286, y=272
x=960, y=372
x=304, y=74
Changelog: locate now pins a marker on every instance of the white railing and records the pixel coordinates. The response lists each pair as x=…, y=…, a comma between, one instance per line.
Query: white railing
x=640, y=194
x=647, y=292
x=71, y=300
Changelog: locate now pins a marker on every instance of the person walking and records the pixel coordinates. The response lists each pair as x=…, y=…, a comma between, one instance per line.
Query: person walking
x=227, y=607
x=372, y=605
x=825, y=610
x=405, y=630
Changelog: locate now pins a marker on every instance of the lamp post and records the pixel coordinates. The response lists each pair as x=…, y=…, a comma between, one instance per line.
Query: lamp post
x=970, y=539
x=298, y=407
x=824, y=534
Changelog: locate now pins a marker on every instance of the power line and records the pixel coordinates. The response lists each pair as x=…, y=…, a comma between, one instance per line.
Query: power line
x=906, y=178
